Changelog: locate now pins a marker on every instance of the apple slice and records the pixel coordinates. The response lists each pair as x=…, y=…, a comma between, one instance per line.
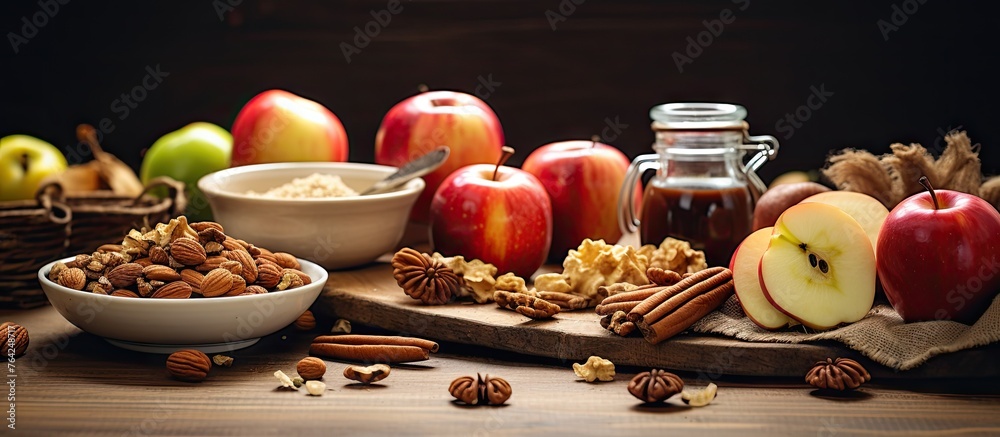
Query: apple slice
x=746, y=281
x=865, y=209
x=819, y=268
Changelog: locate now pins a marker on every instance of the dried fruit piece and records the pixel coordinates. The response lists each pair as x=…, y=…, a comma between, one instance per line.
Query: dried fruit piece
x=656, y=385
x=311, y=368
x=189, y=365
x=700, y=398
x=595, y=369
x=367, y=375
x=839, y=374
x=16, y=333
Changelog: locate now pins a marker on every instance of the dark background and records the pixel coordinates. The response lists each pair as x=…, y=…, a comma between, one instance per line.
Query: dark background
x=607, y=60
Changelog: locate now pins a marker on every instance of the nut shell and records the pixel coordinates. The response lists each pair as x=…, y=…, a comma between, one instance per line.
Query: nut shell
x=839, y=374
x=20, y=336
x=311, y=368
x=189, y=365
x=656, y=385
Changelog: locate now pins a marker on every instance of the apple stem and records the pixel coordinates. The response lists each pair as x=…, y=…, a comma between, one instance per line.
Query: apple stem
x=593, y=141
x=507, y=153
x=927, y=184
x=87, y=134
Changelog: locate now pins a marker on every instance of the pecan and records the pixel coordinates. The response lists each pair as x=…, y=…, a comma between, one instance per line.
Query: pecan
x=677, y=307
x=839, y=374
x=189, y=365
x=367, y=375
x=16, y=333
x=530, y=306
x=372, y=348
x=655, y=385
x=311, y=368
x=156, y=272
x=424, y=278
x=618, y=323
x=173, y=290
x=481, y=390
x=187, y=251
x=566, y=301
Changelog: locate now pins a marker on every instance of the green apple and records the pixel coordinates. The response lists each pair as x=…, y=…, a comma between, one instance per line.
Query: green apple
x=186, y=155
x=24, y=162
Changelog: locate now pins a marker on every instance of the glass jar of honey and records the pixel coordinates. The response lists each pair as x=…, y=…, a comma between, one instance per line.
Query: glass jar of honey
x=704, y=189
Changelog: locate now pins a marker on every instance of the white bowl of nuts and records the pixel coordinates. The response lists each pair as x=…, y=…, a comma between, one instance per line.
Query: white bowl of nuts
x=313, y=209
x=182, y=286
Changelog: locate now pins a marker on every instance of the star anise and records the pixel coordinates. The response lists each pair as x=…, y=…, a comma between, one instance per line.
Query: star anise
x=655, y=385
x=424, y=278
x=839, y=374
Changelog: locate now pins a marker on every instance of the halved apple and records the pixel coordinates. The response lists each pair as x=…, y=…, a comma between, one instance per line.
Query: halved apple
x=819, y=267
x=865, y=209
x=744, y=264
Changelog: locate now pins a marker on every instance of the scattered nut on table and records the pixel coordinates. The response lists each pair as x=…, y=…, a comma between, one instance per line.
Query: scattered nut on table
x=189, y=365
x=656, y=385
x=315, y=388
x=481, y=390
x=341, y=326
x=839, y=374
x=285, y=380
x=596, y=368
x=700, y=398
x=311, y=368
x=222, y=360
x=19, y=335
x=367, y=375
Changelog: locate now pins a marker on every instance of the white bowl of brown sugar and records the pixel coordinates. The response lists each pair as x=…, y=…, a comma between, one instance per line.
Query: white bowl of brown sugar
x=312, y=209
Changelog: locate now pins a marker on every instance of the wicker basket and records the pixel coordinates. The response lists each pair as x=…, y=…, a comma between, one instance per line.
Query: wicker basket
x=36, y=232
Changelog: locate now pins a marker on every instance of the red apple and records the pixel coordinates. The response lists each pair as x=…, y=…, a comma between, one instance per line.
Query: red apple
x=427, y=120
x=939, y=256
x=278, y=126
x=583, y=179
x=500, y=215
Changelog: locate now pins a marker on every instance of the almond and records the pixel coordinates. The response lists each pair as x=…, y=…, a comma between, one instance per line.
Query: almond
x=249, y=271
x=188, y=251
x=124, y=276
x=217, y=283
x=143, y=261
x=266, y=256
x=161, y=273
x=311, y=368
x=193, y=278
x=124, y=293
x=201, y=226
x=254, y=289
x=73, y=278
x=211, y=263
x=234, y=267
x=233, y=244
x=268, y=274
x=286, y=260
x=189, y=365
x=158, y=255
x=173, y=290
x=238, y=287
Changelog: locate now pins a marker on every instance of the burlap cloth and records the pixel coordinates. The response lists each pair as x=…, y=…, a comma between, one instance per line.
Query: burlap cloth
x=881, y=335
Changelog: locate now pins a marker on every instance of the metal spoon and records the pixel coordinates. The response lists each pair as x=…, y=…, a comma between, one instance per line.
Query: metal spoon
x=413, y=169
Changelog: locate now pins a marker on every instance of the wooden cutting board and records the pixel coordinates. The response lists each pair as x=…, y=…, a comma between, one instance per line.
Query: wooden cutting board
x=371, y=297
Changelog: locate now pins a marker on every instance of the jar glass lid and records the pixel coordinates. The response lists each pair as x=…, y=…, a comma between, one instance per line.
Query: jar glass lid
x=693, y=115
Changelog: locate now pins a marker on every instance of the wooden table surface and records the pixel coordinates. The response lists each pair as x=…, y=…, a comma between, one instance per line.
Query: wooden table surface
x=72, y=382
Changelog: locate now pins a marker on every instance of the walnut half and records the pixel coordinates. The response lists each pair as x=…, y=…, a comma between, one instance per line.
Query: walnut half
x=595, y=369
